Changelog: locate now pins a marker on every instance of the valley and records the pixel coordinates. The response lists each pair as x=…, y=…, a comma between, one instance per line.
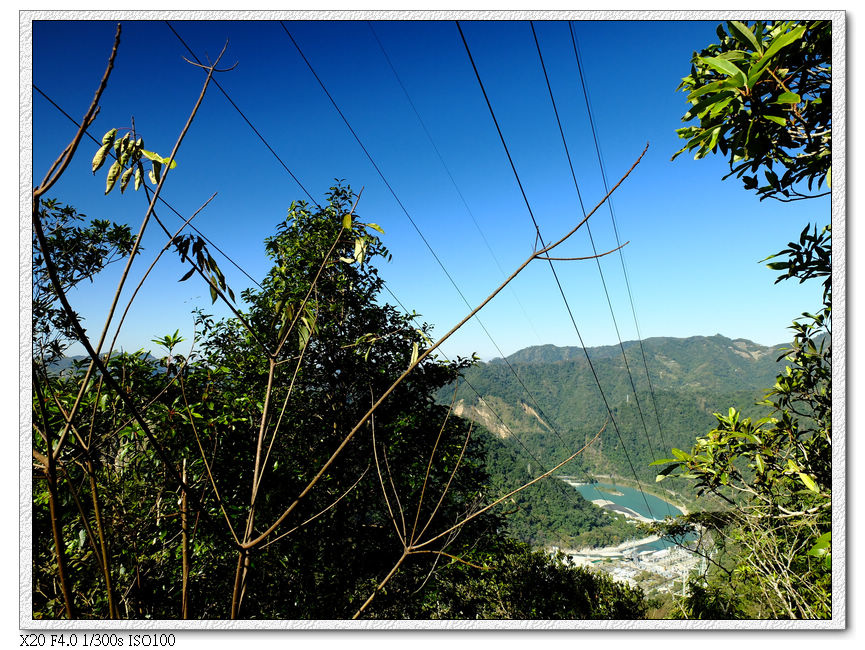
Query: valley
x=542, y=403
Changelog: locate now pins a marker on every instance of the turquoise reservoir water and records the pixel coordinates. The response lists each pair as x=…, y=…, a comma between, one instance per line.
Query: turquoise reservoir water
x=634, y=500
x=650, y=506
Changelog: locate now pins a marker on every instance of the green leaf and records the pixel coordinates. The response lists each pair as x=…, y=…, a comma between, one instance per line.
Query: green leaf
x=788, y=98
x=761, y=467
x=108, y=138
x=213, y=294
x=124, y=180
x=304, y=331
x=744, y=35
x=156, y=158
x=809, y=482
x=138, y=177
x=375, y=227
x=713, y=140
x=755, y=72
x=414, y=353
x=99, y=158
x=700, y=107
x=823, y=545
x=155, y=172
x=783, y=41
x=187, y=275
x=775, y=118
x=725, y=67
x=113, y=175
x=722, y=104
x=359, y=250
x=722, y=84
x=346, y=221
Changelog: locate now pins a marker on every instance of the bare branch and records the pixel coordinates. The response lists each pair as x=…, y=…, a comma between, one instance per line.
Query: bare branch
x=429, y=464
x=319, y=514
x=448, y=484
x=207, y=465
x=399, y=535
x=423, y=356
x=65, y=158
x=511, y=493
x=576, y=259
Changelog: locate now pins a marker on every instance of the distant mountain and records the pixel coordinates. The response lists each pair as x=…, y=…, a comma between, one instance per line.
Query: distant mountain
x=714, y=362
x=554, y=405
x=67, y=363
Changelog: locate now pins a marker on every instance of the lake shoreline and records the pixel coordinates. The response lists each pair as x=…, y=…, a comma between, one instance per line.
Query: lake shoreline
x=663, y=496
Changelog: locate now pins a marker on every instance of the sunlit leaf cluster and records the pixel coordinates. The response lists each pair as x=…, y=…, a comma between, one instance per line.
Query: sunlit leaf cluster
x=762, y=96
x=128, y=152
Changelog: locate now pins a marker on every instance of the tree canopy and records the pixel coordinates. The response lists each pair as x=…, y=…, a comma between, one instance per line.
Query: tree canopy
x=762, y=95
x=763, y=98
x=248, y=417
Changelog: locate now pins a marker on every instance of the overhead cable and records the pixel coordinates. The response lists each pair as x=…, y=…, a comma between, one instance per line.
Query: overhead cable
x=552, y=267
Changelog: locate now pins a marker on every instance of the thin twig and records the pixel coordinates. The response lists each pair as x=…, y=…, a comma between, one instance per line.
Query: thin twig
x=399, y=535
x=65, y=158
x=320, y=513
x=430, y=463
x=423, y=356
x=512, y=492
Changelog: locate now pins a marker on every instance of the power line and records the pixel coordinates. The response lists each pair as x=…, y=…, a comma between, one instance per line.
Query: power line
x=477, y=226
x=412, y=221
x=450, y=175
x=615, y=229
x=405, y=211
x=246, y=119
x=162, y=200
x=600, y=270
x=505, y=427
x=552, y=267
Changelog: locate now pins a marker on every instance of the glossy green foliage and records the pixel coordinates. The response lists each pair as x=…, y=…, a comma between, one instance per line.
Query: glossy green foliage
x=763, y=99
x=775, y=475
x=762, y=96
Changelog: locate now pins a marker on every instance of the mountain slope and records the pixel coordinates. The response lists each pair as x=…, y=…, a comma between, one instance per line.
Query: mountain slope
x=691, y=379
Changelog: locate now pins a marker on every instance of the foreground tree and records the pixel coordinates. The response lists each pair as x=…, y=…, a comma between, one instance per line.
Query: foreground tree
x=412, y=473
x=762, y=97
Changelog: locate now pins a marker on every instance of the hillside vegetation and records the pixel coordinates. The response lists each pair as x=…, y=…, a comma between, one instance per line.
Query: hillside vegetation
x=563, y=408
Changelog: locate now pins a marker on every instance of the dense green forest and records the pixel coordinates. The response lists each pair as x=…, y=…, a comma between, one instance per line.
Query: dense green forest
x=545, y=402
x=312, y=457
x=549, y=512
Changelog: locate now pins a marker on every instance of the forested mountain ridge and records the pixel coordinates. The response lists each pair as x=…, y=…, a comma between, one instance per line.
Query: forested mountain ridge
x=698, y=361
x=546, y=402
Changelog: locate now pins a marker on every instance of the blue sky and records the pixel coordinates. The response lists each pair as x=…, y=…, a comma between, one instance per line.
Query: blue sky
x=695, y=240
